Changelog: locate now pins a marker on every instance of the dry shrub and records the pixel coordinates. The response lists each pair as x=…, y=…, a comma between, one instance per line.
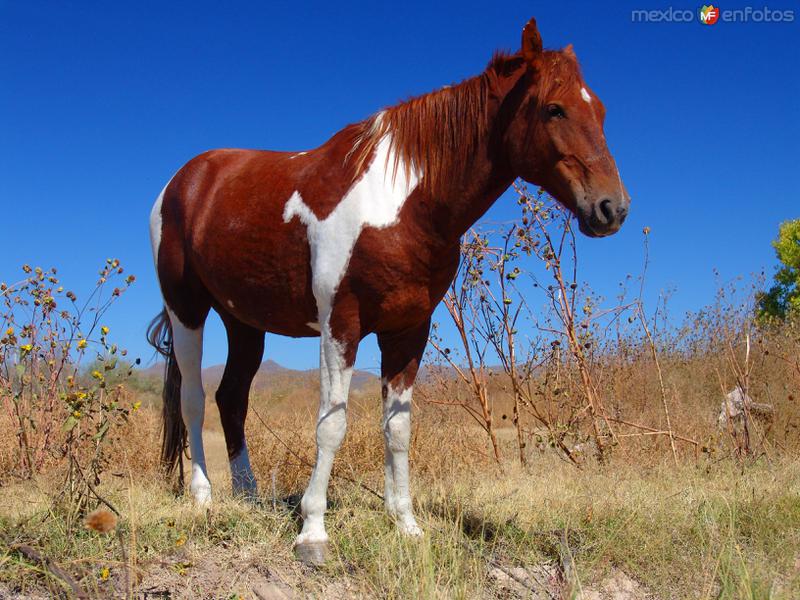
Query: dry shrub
x=588, y=377
x=136, y=445
x=282, y=447
x=8, y=446
x=61, y=380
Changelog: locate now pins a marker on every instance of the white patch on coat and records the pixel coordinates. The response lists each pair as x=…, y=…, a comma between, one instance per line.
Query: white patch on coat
x=374, y=200
x=243, y=482
x=188, y=346
x=313, y=325
x=156, y=224
x=397, y=435
x=298, y=154
x=585, y=95
x=230, y=304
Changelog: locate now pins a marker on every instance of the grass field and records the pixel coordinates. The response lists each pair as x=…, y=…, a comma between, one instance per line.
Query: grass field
x=711, y=528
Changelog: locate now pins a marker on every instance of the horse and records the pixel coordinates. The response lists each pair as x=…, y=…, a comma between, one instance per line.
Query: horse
x=359, y=236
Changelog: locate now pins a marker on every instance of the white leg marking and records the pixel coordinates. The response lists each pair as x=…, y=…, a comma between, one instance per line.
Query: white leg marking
x=374, y=200
x=585, y=95
x=242, y=479
x=331, y=426
x=397, y=436
x=188, y=345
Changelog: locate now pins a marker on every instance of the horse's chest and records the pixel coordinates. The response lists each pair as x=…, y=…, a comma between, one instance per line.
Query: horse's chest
x=373, y=202
x=398, y=278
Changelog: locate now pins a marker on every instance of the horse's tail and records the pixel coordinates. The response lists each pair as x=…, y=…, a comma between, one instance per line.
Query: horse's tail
x=173, y=432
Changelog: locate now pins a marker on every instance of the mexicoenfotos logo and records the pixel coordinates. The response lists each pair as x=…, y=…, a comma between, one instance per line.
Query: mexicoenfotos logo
x=709, y=14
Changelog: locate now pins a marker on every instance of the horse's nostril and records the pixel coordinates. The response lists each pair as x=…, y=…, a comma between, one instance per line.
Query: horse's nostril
x=606, y=210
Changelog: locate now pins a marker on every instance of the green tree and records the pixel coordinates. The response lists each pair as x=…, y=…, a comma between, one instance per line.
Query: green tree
x=783, y=298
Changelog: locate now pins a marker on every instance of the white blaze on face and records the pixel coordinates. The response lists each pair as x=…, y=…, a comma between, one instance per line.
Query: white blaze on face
x=585, y=95
x=374, y=200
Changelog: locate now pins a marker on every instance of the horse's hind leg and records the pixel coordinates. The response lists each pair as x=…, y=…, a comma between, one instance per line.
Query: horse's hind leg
x=401, y=354
x=188, y=347
x=245, y=350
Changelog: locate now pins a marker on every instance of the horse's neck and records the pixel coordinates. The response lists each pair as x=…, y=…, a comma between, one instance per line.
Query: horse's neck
x=462, y=211
x=485, y=178
x=480, y=182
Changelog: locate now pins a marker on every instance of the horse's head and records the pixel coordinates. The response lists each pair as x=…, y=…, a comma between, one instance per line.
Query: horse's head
x=555, y=138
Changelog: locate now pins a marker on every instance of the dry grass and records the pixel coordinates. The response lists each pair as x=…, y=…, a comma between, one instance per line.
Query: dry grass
x=707, y=529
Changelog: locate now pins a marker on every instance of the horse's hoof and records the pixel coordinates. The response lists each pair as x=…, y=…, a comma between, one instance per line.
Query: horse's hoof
x=410, y=529
x=312, y=554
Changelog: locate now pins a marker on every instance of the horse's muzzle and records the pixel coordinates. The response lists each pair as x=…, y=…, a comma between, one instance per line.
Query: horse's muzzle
x=603, y=217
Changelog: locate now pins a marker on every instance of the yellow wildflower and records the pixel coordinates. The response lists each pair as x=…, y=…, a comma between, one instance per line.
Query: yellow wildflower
x=82, y=344
x=104, y=330
x=136, y=405
x=104, y=573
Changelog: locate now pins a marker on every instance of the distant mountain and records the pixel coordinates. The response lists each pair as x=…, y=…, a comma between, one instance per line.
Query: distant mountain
x=269, y=374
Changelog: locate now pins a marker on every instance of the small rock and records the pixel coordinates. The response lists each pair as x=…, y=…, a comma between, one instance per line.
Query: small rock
x=536, y=582
x=271, y=591
x=616, y=586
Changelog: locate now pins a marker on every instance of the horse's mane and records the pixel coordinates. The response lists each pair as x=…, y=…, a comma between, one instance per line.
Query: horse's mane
x=437, y=133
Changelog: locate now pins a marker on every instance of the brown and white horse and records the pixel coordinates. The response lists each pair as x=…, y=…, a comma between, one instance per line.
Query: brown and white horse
x=360, y=236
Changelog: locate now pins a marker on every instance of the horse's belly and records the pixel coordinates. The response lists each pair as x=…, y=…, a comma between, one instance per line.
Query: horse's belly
x=263, y=281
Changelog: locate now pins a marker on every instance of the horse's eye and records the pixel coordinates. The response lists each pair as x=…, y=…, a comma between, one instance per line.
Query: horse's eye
x=555, y=111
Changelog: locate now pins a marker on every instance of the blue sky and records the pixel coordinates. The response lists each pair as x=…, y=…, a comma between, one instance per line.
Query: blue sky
x=100, y=103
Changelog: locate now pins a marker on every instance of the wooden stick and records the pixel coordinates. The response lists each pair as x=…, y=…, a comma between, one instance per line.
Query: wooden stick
x=51, y=567
x=652, y=430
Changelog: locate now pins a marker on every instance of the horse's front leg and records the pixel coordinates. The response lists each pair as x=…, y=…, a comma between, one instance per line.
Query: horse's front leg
x=401, y=354
x=337, y=356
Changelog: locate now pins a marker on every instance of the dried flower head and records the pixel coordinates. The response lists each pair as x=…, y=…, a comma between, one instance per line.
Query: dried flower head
x=101, y=520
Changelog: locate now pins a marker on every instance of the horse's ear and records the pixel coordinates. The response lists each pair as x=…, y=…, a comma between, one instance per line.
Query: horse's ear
x=570, y=52
x=531, y=43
